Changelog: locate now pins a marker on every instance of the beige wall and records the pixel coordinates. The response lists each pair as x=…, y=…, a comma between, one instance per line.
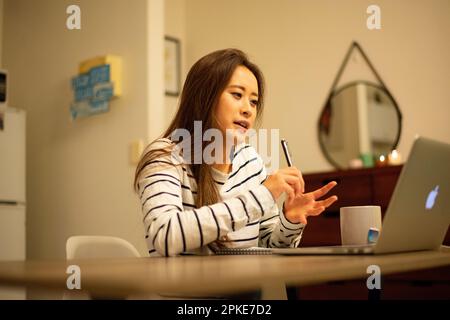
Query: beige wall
x=78, y=173
x=1, y=31
x=300, y=45
x=175, y=26
x=79, y=176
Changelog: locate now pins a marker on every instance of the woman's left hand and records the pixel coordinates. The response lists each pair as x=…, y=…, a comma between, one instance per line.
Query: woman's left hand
x=297, y=209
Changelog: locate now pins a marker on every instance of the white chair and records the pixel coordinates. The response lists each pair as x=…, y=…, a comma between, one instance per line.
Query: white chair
x=97, y=247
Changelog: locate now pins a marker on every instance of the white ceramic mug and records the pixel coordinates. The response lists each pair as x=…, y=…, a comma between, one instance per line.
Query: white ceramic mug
x=356, y=221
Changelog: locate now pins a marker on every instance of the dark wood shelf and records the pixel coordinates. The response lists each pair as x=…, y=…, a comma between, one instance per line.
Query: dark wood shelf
x=372, y=186
x=355, y=188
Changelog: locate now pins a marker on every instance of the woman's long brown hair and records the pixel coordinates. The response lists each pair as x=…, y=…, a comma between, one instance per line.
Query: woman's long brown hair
x=204, y=84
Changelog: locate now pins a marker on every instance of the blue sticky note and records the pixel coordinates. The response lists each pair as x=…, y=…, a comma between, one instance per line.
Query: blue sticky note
x=88, y=107
x=99, y=74
x=83, y=93
x=103, y=91
x=80, y=81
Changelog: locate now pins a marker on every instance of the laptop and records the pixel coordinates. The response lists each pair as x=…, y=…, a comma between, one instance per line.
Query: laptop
x=418, y=214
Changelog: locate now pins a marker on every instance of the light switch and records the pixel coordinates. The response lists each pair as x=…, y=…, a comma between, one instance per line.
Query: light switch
x=136, y=149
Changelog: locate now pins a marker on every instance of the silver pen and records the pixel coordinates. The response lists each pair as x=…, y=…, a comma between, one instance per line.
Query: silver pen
x=287, y=154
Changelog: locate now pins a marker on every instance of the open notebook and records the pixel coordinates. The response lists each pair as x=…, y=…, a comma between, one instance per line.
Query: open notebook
x=238, y=251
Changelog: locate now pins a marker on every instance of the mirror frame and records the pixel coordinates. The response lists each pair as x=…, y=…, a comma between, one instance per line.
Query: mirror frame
x=332, y=92
x=339, y=90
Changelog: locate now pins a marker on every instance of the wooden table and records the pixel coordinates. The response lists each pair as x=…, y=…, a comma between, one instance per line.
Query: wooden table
x=112, y=278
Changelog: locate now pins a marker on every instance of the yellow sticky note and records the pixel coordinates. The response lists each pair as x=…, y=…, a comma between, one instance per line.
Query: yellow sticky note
x=115, y=63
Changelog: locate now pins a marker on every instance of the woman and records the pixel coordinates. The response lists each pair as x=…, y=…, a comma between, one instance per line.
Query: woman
x=199, y=206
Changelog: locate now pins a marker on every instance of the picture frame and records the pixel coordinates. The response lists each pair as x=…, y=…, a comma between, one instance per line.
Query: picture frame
x=172, y=63
x=4, y=88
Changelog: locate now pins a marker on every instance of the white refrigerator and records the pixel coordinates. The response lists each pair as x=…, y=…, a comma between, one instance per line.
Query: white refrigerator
x=12, y=191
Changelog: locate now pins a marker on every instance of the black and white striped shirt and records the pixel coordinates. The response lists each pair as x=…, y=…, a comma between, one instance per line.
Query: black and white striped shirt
x=248, y=216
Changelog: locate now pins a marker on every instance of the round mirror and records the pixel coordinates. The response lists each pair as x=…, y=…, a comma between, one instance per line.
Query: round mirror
x=359, y=119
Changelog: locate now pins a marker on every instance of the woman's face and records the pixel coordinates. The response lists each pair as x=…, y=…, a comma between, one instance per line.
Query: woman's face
x=237, y=106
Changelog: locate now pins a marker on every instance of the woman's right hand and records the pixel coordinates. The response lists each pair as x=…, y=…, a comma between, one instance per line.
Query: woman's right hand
x=287, y=180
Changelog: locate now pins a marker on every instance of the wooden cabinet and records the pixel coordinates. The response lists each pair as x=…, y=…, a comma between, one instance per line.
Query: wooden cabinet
x=355, y=188
x=366, y=187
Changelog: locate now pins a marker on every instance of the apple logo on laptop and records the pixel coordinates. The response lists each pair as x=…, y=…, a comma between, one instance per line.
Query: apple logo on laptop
x=431, y=198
